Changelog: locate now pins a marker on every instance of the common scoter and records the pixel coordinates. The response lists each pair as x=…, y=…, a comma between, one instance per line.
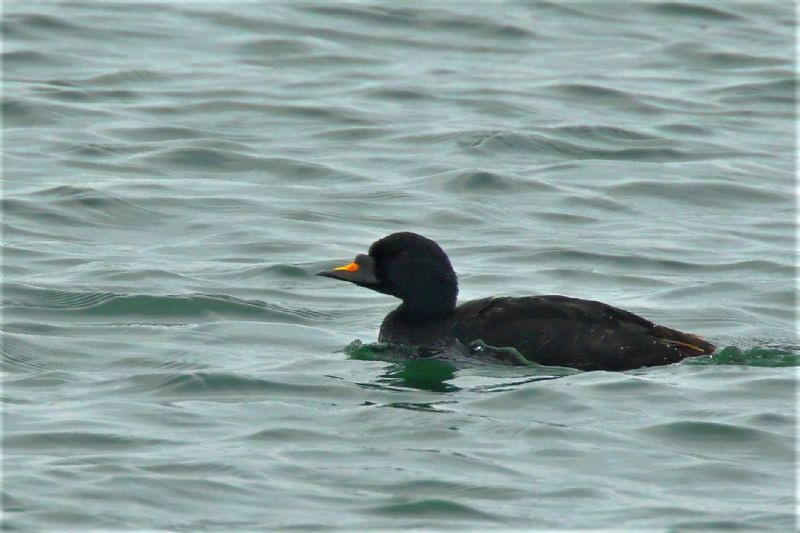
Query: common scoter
x=548, y=330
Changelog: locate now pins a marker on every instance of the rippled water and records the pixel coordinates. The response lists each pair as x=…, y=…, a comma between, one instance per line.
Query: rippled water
x=175, y=174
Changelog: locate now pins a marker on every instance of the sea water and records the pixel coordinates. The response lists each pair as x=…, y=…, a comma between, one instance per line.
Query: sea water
x=176, y=172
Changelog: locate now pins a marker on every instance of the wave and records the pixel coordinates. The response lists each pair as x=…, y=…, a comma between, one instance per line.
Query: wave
x=77, y=441
x=22, y=300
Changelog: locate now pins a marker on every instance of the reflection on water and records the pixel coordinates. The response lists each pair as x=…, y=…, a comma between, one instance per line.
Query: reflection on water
x=430, y=369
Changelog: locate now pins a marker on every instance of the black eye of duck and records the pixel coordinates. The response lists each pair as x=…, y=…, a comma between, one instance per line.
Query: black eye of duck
x=549, y=330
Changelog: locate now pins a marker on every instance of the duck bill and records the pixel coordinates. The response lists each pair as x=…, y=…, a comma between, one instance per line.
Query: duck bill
x=361, y=272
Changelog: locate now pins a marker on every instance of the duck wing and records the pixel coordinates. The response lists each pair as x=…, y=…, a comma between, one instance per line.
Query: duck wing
x=563, y=331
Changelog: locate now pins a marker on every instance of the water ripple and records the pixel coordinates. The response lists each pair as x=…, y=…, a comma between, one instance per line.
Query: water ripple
x=78, y=442
x=145, y=307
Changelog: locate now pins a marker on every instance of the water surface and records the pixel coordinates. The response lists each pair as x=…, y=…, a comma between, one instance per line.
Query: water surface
x=176, y=172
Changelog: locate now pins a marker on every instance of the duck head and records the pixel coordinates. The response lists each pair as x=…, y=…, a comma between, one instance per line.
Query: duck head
x=407, y=266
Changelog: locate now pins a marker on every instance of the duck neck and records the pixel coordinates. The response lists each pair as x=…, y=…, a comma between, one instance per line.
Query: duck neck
x=425, y=309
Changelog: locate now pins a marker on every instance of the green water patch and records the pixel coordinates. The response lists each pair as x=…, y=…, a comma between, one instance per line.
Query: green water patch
x=755, y=356
x=423, y=374
x=456, y=353
x=431, y=368
x=411, y=366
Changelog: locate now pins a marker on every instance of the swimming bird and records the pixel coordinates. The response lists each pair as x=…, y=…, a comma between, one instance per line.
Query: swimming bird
x=548, y=330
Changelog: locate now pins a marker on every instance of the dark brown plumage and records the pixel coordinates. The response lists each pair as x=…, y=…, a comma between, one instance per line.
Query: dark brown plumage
x=549, y=330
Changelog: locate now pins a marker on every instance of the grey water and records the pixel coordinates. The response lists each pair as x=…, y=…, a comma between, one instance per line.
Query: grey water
x=176, y=172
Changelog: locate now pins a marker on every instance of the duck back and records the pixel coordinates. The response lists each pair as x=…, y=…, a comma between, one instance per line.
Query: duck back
x=563, y=331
